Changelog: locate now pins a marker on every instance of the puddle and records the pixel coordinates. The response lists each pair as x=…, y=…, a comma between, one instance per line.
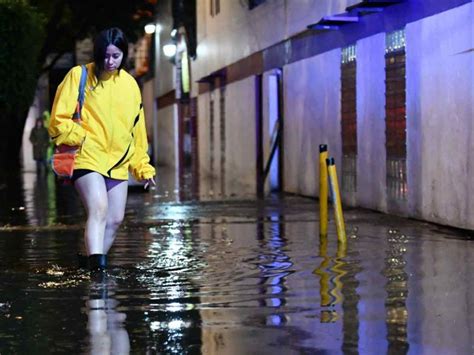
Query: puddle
x=235, y=277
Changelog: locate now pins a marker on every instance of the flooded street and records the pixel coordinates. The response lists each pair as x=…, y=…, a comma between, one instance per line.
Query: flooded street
x=228, y=275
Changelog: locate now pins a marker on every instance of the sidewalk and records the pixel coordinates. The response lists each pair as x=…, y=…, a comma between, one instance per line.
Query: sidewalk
x=230, y=276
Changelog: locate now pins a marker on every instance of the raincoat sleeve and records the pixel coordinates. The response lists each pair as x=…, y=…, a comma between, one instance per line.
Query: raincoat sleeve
x=140, y=165
x=62, y=129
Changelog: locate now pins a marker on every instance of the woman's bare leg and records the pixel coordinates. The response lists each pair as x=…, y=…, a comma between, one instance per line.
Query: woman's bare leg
x=93, y=193
x=117, y=199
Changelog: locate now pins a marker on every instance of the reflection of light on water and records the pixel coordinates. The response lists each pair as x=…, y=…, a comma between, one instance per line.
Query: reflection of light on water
x=176, y=212
x=175, y=324
x=275, y=319
x=61, y=279
x=171, y=253
x=55, y=270
x=175, y=307
x=174, y=246
x=174, y=292
x=275, y=302
x=154, y=249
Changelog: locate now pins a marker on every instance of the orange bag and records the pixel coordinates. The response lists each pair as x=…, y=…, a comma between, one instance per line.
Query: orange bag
x=64, y=155
x=63, y=160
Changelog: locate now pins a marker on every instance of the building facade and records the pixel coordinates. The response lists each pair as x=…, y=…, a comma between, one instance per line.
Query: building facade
x=388, y=87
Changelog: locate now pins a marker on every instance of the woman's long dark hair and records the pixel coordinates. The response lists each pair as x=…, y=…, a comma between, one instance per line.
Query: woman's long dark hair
x=105, y=38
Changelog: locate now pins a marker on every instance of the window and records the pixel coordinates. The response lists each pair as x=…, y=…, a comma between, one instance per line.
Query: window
x=395, y=115
x=349, y=120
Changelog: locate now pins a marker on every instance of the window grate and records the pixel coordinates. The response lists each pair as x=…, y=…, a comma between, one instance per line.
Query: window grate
x=395, y=115
x=349, y=119
x=395, y=41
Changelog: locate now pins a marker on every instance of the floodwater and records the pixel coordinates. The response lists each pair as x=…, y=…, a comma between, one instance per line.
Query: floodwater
x=228, y=275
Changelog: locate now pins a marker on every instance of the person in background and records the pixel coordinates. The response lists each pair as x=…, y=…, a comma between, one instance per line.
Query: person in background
x=39, y=138
x=112, y=139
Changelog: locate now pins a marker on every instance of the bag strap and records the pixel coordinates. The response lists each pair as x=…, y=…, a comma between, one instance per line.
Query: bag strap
x=82, y=94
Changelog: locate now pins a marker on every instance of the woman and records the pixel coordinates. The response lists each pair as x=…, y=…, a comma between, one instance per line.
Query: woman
x=112, y=139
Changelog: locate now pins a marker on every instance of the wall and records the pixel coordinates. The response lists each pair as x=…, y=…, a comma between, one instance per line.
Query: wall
x=370, y=88
x=167, y=135
x=227, y=142
x=440, y=96
x=240, y=137
x=237, y=32
x=163, y=84
x=147, y=98
x=439, y=106
x=312, y=94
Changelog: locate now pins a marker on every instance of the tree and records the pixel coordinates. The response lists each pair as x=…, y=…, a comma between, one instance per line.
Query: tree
x=31, y=31
x=72, y=20
x=21, y=35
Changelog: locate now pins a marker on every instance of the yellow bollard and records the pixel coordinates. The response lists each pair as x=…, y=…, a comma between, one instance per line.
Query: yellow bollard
x=323, y=190
x=333, y=183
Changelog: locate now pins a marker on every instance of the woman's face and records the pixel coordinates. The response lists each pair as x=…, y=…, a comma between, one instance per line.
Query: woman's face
x=113, y=58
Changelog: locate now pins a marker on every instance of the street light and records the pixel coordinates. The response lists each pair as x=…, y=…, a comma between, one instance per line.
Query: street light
x=150, y=28
x=169, y=50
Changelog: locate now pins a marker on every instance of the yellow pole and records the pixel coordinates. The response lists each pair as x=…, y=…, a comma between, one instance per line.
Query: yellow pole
x=333, y=183
x=323, y=190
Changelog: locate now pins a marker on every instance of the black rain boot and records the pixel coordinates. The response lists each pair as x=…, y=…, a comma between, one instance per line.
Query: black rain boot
x=97, y=262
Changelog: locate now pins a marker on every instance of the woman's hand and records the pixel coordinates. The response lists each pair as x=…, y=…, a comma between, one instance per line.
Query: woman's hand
x=148, y=182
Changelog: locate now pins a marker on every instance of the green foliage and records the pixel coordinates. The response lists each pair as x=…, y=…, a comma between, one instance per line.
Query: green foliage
x=21, y=34
x=34, y=33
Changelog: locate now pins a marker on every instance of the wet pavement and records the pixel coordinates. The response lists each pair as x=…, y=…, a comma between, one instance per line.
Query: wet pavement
x=218, y=274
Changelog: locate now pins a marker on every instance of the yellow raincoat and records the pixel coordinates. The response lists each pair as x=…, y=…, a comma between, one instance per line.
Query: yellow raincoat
x=112, y=136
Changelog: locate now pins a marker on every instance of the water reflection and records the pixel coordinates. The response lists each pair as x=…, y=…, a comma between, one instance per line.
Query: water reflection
x=338, y=290
x=275, y=266
x=40, y=199
x=397, y=293
x=12, y=199
x=230, y=277
x=105, y=324
x=47, y=201
x=330, y=272
x=169, y=295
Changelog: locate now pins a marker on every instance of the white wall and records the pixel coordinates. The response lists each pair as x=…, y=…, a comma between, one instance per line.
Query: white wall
x=240, y=160
x=312, y=92
x=440, y=93
x=167, y=136
x=235, y=174
x=165, y=71
x=148, y=102
x=204, y=134
x=371, y=156
x=440, y=96
x=237, y=32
